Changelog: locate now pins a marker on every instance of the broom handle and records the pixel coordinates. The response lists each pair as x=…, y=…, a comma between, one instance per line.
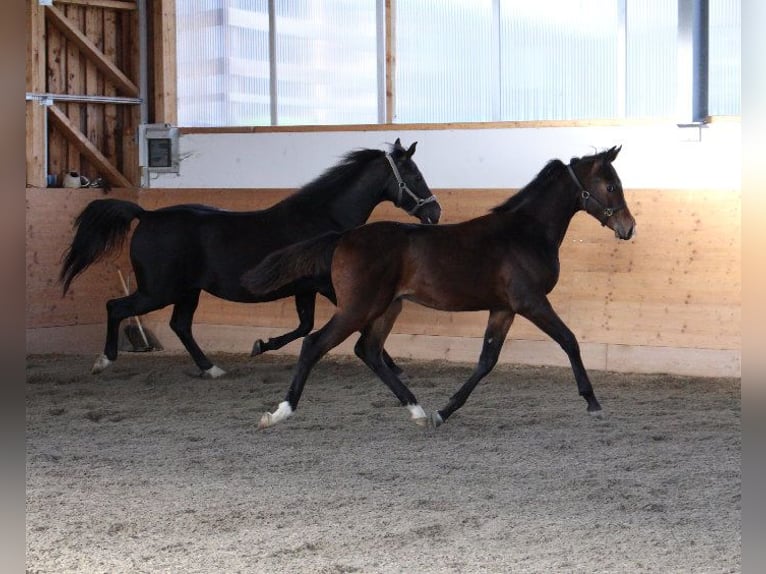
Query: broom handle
x=138, y=321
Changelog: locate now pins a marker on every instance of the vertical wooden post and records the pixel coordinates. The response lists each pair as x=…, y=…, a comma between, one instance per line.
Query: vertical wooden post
x=390, y=60
x=35, y=83
x=163, y=15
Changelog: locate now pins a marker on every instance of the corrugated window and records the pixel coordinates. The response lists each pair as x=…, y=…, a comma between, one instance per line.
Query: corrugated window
x=326, y=62
x=724, y=69
x=559, y=59
x=454, y=60
x=652, y=65
x=443, y=61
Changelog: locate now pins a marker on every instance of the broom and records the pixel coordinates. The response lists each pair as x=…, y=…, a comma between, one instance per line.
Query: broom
x=136, y=335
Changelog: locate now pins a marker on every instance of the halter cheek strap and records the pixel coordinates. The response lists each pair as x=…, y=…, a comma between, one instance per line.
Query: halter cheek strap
x=404, y=188
x=586, y=196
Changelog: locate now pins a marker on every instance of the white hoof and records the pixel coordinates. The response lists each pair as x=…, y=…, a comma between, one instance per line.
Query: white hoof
x=213, y=373
x=418, y=415
x=284, y=410
x=101, y=363
x=436, y=419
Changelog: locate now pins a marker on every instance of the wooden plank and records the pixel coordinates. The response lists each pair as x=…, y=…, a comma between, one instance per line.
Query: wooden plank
x=92, y=153
x=36, y=135
x=56, y=83
x=164, y=59
x=94, y=82
x=390, y=17
x=110, y=4
x=109, y=148
x=91, y=51
x=131, y=115
x=75, y=84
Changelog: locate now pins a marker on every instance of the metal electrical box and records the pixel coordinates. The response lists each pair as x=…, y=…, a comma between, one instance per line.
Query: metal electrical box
x=158, y=148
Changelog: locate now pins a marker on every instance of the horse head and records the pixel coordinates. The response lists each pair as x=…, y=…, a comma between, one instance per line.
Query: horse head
x=601, y=193
x=408, y=188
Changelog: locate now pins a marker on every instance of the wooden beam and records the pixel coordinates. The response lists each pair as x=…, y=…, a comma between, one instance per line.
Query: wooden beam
x=91, y=51
x=164, y=59
x=390, y=60
x=91, y=152
x=110, y=4
x=35, y=112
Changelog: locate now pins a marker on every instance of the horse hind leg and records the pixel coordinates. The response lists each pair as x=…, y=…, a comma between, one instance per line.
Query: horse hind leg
x=305, y=304
x=369, y=348
x=494, y=337
x=181, y=324
x=314, y=347
x=116, y=311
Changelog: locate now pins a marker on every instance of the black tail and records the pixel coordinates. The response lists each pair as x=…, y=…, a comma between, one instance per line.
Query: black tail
x=304, y=260
x=100, y=229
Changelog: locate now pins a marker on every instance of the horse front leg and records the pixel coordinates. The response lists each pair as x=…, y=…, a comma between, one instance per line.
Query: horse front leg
x=181, y=324
x=494, y=337
x=541, y=313
x=305, y=304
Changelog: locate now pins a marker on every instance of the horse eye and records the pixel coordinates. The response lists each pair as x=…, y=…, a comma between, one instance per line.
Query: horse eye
x=610, y=188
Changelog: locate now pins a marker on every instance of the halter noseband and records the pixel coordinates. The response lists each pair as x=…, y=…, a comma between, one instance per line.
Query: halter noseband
x=403, y=187
x=587, y=196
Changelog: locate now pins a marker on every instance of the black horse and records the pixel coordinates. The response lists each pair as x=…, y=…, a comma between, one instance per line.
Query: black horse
x=505, y=262
x=179, y=251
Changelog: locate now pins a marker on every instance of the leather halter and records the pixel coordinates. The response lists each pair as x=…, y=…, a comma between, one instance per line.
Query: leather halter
x=404, y=188
x=586, y=196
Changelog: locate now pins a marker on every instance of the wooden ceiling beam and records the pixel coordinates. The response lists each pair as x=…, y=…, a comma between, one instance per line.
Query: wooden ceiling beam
x=110, y=4
x=90, y=151
x=91, y=51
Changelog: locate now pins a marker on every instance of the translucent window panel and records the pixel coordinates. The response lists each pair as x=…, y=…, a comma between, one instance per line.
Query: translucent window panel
x=443, y=61
x=724, y=68
x=559, y=59
x=326, y=62
x=652, y=63
x=223, y=62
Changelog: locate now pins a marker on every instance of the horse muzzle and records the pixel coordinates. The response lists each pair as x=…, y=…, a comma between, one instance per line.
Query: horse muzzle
x=429, y=213
x=623, y=227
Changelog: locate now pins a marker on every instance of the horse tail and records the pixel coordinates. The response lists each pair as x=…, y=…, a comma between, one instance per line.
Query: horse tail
x=305, y=260
x=101, y=228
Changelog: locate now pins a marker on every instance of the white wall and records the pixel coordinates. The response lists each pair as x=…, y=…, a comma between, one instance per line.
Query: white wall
x=656, y=156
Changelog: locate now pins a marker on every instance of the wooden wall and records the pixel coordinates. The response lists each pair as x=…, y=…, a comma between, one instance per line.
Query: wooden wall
x=670, y=299
x=83, y=49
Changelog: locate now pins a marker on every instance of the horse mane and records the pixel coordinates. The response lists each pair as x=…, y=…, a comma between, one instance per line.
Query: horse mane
x=338, y=177
x=541, y=180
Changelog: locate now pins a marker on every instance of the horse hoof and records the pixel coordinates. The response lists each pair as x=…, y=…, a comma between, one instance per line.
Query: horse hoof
x=101, y=363
x=284, y=411
x=257, y=348
x=265, y=422
x=597, y=414
x=435, y=420
x=421, y=421
x=213, y=373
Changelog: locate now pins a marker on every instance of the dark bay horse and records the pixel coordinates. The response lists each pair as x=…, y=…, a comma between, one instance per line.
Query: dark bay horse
x=179, y=251
x=505, y=262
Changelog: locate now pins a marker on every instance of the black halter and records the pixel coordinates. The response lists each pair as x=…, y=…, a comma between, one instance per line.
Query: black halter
x=586, y=196
x=403, y=187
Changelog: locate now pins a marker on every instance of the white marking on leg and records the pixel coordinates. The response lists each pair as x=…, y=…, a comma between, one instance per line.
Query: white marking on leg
x=101, y=363
x=284, y=410
x=418, y=415
x=213, y=373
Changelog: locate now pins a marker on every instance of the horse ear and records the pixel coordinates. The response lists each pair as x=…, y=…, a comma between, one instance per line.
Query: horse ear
x=398, y=144
x=411, y=150
x=611, y=154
